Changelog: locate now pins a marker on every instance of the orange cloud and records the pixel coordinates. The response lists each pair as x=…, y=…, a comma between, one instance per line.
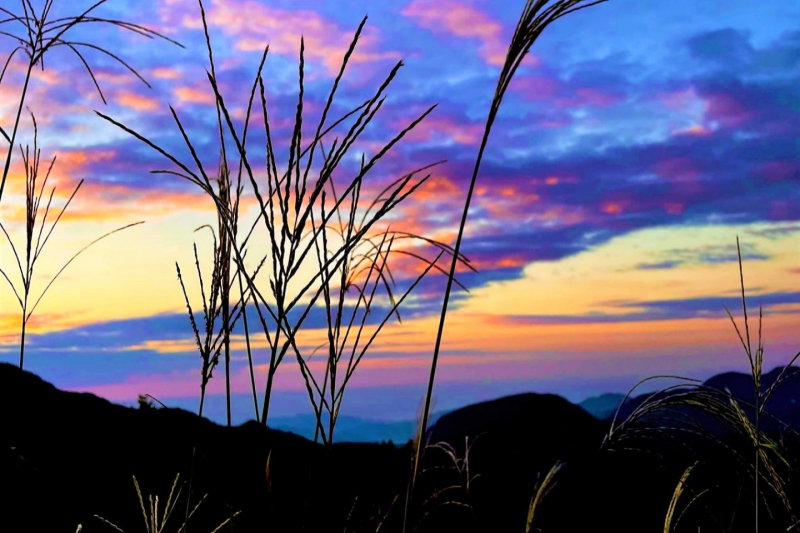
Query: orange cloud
x=166, y=73
x=190, y=95
x=102, y=201
x=68, y=163
x=113, y=77
x=137, y=102
x=437, y=188
x=48, y=76
x=694, y=129
x=39, y=322
x=510, y=203
x=19, y=67
x=492, y=263
x=510, y=262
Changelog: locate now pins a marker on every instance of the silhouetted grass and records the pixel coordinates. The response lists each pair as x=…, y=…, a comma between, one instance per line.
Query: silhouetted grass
x=34, y=34
x=311, y=218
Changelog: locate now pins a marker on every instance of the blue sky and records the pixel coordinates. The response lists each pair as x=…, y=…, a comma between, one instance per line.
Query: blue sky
x=635, y=143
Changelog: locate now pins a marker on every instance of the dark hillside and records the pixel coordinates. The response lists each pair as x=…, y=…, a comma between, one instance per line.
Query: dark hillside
x=65, y=457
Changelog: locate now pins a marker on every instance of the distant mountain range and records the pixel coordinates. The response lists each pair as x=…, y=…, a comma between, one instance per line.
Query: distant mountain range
x=783, y=406
x=603, y=406
x=65, y=457
x=353, y=429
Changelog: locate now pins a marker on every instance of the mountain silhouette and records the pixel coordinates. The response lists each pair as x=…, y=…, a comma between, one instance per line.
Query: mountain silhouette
x=602, y=406
x=66, y=457
x=513, y=441
x=75, y=455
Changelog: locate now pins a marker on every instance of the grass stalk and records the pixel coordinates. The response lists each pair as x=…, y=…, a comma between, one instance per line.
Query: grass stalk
x=534, y=19
x=33, y=250
x=295, y=199
x=35, y=34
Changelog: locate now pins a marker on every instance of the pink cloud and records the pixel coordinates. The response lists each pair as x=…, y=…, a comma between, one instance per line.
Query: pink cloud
x=596, y=98
x=677, y=169
x=781, y=209
x=113, y=78
x=536, y=87
x=179, y=384
x=587, y=97
x=552, y=124
x=726, y=110
x=254, y=25
x=545, y=88
x=102, y=201
x=434, y=127
x=678, y=100
x=454, y=18
x=186, y=383
x=371, y=372
x=775, y=171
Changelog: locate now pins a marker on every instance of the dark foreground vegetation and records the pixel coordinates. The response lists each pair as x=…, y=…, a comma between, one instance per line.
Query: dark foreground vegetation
x=69, y=458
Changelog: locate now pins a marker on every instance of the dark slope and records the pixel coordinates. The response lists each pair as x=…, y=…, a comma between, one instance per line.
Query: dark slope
x=67, y=456
x=513, y=440
x=75, y=454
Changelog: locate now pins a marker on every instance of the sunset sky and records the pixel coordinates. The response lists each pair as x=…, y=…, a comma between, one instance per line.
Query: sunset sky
x=635, y=143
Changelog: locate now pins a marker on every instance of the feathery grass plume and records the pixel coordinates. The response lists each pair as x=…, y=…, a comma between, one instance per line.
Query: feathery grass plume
x=542, y=489
x=286, y=262
x=340, y=340
x=663, y=417
x=210, y=346
x=756, y=361
x=454, y=494
x=288, y=211
x=35, y=34
x=673, y=504
x=458, y=492
x=33, y=199
x=643, y=421
x=536, y=16
x=156, y=518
